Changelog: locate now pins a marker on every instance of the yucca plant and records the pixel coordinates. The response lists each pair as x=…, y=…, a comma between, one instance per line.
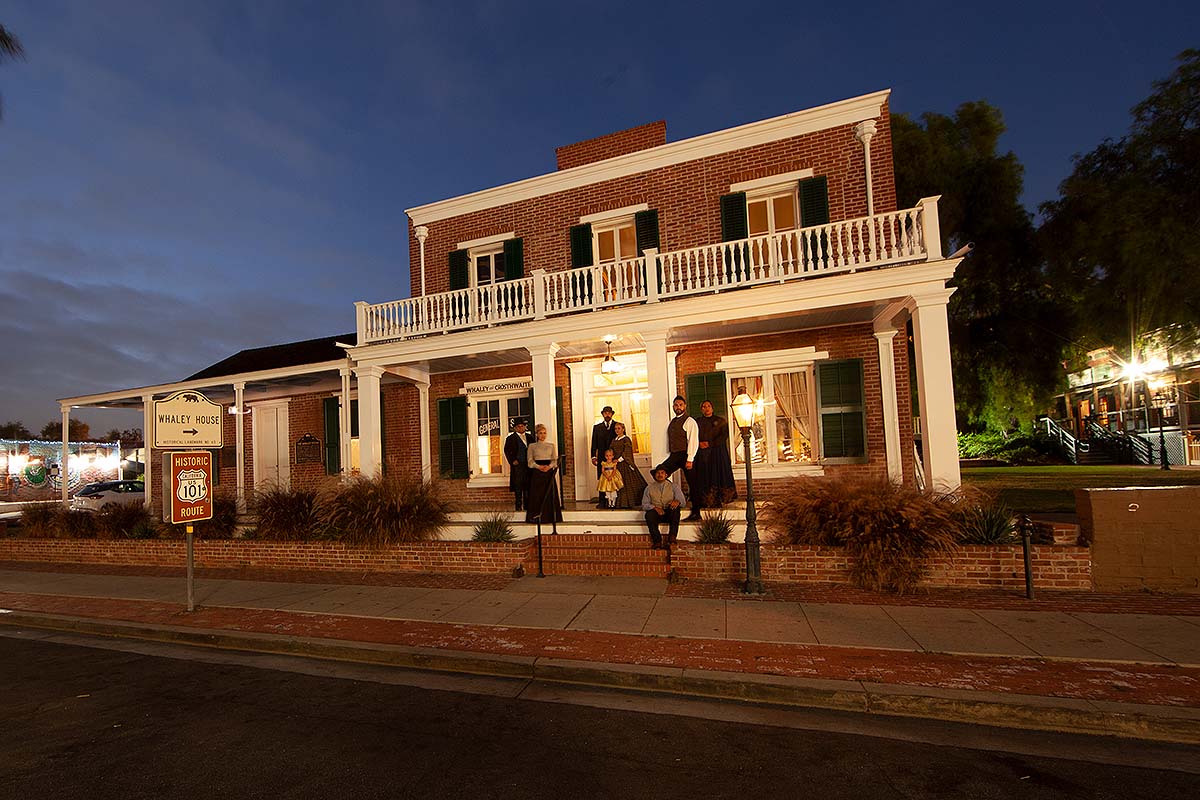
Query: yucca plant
x=286, y=514
x=890, y=532
x=495, y=527
x=382, y=510
x=715, y=527
x=987, y=523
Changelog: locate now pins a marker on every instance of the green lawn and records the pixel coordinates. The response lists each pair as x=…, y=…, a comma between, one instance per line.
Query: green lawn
x=1050, y=489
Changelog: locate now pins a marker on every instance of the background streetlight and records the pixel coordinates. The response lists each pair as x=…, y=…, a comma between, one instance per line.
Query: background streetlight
x=743, y=414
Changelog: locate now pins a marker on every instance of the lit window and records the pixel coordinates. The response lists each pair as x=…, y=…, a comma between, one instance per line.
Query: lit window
x=494, y=418
x=782, y=430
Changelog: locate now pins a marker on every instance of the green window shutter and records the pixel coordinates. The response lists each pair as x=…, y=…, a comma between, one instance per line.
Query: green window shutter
x=581, y=245
x=734, y=225
x=216, y=467
x=558, y=416
x=460, y=269
x=514, y=259
x=645, y=226
x=333, y=429
x=532, y=412
x=814, y=202
x=708, y=386
x=843, y=417
x=452, y=437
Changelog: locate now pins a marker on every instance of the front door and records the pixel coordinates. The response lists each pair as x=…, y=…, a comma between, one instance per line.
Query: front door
x=630, y=406
x=271, y=455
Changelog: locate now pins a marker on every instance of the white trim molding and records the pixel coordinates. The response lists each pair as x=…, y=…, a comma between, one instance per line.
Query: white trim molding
x=616, y=213
x=772, y=359
x=771, y=181
x=831, y=115
x=482, y=241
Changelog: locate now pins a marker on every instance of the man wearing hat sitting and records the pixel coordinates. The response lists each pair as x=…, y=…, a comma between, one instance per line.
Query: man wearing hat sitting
x=661, y=501
x=602, y=439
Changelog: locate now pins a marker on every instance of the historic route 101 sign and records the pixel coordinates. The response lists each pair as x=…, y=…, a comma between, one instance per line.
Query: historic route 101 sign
x=187, y=419
x=187, y=487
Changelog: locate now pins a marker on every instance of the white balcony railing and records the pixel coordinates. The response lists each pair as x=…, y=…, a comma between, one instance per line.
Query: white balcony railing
x=895, y=237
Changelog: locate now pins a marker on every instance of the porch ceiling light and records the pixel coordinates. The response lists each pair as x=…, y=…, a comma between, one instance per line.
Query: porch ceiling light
x=610, y=364
x=743, y=409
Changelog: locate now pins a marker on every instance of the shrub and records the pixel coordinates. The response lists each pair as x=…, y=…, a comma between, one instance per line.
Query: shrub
x=77, y=525
x=286, y=514
x=383, y=510
x=986, y=523
x=40, y=520
x=715, y=527
x=125, y=521
x=224, y=520
x=495, y=527
x=889, y=531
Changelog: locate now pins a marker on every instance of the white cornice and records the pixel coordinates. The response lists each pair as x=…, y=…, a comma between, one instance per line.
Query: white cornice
x=843, y=112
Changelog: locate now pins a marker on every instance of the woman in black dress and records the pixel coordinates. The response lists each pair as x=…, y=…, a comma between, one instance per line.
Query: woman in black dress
x=630, y=495
x=543, y=480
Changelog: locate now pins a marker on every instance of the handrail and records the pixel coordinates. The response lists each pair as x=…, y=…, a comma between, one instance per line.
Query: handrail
x=848, y=245
x=1069, y=443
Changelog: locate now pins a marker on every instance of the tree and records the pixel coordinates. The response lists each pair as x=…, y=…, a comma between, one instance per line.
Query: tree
x=10, y=49
x=78, y=431
x=1124, y=235
x=1003, y=315
x=15, y=430
x=131, y=437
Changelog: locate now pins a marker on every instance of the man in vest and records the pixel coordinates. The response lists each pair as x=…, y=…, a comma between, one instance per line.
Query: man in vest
x=683, y=440
x=516, y=453
x=602, y=438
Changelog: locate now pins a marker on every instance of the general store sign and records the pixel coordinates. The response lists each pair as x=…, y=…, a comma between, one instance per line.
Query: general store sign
x=187, y=419
x=187, y=487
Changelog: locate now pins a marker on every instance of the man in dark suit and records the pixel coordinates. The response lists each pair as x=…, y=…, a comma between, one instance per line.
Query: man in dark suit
x=602, y=438
x=516, y=453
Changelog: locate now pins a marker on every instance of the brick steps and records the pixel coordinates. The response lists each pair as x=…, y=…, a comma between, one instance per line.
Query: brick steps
x=622, y=555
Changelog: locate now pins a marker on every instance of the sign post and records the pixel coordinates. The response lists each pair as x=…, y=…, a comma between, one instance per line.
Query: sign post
x=187, y=499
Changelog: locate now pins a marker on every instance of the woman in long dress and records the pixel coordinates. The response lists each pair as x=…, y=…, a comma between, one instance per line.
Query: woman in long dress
x=543, y=480
x=714, y=458
x=630, y=495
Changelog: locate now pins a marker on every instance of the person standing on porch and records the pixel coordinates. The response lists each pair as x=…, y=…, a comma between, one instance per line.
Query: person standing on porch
x=516, y=453
x=543, y=503
x=683, y=441
x=602, y=437
x=610, y=481
x=661, y=502
x=712, y=460
x=630, y=495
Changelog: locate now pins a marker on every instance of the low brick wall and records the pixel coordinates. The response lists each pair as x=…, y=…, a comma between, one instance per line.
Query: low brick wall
x=1143, y=538
x=1054, y=567
x=443, y=557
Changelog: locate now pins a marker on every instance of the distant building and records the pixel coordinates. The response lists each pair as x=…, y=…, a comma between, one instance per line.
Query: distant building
x=769, y=256
x=31, y=469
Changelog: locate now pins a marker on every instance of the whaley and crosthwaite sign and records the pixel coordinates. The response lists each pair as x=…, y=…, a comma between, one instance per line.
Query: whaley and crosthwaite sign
x=187, y=419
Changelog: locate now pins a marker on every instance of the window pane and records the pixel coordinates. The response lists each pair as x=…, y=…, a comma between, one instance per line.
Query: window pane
x=498, y=266
x=489, y=455
x=756, y=213
x=785, y=212
x=518, y=408
x=606, y=244
x=483, y=270
x=639, y=422
x=753, y=386
x=793, y=424
x=628, y=242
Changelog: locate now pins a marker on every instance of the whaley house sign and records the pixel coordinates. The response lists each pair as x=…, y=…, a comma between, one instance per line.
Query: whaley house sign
x=187, y=419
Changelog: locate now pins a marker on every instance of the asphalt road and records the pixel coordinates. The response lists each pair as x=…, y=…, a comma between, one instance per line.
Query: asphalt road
x=157, y=721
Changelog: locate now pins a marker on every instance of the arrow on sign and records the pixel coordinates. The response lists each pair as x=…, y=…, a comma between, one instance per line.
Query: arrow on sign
x=193, y=431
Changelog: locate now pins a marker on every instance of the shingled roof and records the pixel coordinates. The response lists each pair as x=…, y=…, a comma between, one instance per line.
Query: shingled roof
x=292, y=354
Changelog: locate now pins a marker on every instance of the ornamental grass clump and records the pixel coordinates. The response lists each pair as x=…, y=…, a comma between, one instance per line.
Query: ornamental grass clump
x=125, y=521
x=495, y=527
x=285, y=514
x=889, y=532
x=224, y=519
x=379, y=511
x=986, y=522
x=715, y=527
x=41, y=520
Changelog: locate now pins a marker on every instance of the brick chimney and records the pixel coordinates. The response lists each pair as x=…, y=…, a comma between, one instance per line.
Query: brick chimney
x=611, y=145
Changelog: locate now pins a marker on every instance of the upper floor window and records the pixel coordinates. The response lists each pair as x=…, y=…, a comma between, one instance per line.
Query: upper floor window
x=615, y=241
x=771, y=213
x=487, y=264
x=487, y=261
x=774, y=205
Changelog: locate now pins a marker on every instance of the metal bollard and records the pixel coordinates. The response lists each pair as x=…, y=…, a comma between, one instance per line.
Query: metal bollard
x=1025, y=525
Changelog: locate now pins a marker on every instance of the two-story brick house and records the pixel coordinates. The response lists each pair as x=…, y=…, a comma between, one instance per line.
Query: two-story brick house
x=769, y=256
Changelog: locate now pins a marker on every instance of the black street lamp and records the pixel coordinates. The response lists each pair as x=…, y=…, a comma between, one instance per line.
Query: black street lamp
x=743, y=414
x=1160, y=402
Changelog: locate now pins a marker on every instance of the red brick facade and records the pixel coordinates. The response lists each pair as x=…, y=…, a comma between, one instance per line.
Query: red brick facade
x=611, y=145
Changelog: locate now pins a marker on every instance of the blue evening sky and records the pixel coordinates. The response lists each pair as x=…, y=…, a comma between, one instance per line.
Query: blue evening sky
x=181, y=180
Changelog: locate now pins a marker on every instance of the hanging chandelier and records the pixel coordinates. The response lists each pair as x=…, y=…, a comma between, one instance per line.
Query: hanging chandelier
x=610, y=364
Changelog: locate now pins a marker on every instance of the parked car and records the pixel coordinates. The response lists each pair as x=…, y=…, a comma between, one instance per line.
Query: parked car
x=95, y=496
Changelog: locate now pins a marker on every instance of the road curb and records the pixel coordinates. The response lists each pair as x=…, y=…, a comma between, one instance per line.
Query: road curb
x=1067, y=715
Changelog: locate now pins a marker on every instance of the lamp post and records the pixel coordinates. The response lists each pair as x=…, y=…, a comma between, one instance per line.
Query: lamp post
x=1160, y=402
x=743, y=413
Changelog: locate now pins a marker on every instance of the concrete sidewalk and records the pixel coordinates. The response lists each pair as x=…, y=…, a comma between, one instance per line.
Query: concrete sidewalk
x=1121, y=673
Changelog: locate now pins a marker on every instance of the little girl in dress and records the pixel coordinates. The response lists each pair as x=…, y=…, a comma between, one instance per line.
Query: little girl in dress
x=610, y=479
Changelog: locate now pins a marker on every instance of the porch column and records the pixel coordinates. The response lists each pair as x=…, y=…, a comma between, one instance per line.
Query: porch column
x=662, y=390
x=864, y=132
x=542, y=356
x=345, y=423
x=426, y=446
x=147, y=452
x=64, y=472
x=370, y=444
x=239, y=436
x=885, y=338
x=935, y=387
